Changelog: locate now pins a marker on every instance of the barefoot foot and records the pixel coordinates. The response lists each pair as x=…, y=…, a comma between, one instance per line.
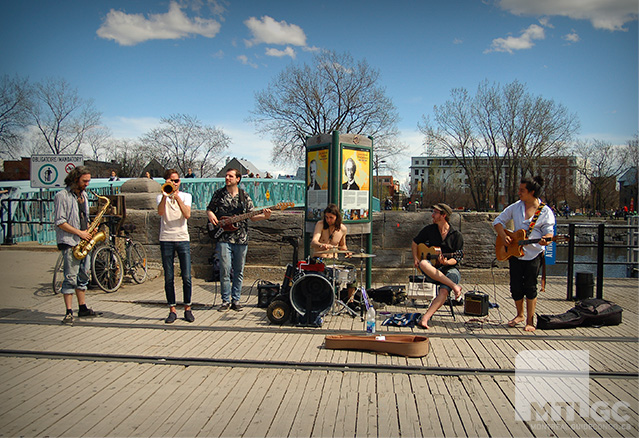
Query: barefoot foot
x=515, y=321
x=529, y=328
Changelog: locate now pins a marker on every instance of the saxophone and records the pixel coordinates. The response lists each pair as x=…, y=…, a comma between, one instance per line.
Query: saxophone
x=82, y=249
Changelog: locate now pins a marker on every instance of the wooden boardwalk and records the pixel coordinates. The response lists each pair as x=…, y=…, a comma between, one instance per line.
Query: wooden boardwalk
x=127, y=373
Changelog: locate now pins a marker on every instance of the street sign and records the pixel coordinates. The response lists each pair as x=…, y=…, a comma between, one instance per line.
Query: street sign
x=48, y=171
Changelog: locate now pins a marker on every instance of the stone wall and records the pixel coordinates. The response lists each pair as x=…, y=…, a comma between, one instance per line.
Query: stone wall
x=393, y=232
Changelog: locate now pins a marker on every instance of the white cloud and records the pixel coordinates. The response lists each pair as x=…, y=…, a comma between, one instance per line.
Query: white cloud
x=603, y=14
x=269, y=31
x=458, y=41
x=525, y=41
x=132, y=29
x=244, y=60
x=281, y=53
x=572, y=37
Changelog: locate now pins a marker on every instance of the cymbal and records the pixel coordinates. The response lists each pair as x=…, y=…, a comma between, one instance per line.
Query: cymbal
x=361, y=255
x=332, y=251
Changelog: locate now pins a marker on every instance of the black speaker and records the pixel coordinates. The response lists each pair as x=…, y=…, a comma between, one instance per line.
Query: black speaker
x=266, y=291
x=476, y=303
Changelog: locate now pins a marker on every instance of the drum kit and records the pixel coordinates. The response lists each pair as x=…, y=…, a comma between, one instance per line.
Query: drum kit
x=312, y=287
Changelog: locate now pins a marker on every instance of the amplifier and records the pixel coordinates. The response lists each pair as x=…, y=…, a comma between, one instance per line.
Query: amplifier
x=266, y=291
x=476, y=303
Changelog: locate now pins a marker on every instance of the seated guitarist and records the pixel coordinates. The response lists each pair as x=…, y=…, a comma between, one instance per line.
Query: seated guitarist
x=231, y=246
x=525, y=269
x=446, y=275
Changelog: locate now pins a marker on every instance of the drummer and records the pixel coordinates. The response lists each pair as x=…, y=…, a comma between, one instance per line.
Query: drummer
x=329, y=233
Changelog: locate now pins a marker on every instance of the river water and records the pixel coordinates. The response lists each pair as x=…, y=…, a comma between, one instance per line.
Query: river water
x=586, y=255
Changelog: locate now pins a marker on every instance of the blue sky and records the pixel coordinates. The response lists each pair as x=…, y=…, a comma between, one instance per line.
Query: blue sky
x=141, y=60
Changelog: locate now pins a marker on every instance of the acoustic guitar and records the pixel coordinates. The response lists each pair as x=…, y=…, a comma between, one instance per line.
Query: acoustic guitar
x=226, y=223
x=432, y=253
x=516, y=246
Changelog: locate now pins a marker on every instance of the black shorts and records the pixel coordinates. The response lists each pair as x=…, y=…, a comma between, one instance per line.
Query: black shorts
x=523, y=277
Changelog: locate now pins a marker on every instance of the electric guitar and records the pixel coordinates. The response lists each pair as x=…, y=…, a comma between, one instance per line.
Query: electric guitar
x=226, y=223
x=432, y=253
x=516, y=246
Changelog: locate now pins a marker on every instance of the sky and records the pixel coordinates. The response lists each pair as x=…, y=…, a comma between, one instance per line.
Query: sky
x=141, y=60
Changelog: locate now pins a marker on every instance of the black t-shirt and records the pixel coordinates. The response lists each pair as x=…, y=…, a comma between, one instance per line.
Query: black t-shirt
x=453, y=243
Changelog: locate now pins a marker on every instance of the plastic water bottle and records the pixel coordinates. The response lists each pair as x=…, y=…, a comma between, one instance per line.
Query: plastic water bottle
x=370, y=320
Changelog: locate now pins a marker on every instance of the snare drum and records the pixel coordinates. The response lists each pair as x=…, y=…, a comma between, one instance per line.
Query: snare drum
x=341, y=274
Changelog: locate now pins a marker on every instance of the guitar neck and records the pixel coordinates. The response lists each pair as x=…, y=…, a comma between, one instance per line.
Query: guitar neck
x=241, y=217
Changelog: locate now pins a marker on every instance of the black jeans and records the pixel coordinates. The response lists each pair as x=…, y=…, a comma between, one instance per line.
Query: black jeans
x=523, y=277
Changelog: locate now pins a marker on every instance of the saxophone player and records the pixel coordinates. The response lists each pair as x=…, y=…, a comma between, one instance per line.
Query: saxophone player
x=71, y=223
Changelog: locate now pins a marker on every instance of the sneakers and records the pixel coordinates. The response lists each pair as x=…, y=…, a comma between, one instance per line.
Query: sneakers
x=236, y=306
x=68, y=319
x=88, y=312
x=188, y=316
x=224, y=307
x=171, y=318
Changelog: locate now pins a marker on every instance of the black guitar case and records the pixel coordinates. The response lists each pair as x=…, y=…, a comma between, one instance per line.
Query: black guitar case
x=586, y=313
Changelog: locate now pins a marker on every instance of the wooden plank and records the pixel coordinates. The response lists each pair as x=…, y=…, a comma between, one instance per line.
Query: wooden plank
x=387, y=419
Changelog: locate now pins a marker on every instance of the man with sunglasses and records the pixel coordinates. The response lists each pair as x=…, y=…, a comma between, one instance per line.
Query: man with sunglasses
x=174, y=209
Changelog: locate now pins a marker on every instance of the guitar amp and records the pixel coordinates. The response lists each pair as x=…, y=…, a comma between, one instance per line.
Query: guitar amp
x=476, y=303
x=266, y=291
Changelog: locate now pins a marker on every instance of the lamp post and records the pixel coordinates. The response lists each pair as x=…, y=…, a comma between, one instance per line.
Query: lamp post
x=379, y=184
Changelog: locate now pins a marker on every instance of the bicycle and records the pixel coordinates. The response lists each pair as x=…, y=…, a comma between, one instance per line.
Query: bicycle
x=107, y=265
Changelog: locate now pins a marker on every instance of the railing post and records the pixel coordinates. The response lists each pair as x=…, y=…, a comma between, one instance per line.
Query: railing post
x=8, y=238
x=571, y=261
x=600, y=259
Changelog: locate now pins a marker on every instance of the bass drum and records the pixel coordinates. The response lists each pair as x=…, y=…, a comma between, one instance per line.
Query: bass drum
x=312, y=293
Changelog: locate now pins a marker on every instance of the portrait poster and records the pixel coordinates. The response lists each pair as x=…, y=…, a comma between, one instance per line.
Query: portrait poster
x=355, y=183
x=316, y=183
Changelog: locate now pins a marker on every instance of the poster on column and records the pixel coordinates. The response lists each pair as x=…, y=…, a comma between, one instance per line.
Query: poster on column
x=355, y=183
x=316, y=183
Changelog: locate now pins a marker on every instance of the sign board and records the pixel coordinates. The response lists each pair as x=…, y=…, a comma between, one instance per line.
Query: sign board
x=551, y=250
x=49, y=171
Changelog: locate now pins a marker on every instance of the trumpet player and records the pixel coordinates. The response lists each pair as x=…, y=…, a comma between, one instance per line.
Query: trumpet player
x=71, y=209
x=174, y=208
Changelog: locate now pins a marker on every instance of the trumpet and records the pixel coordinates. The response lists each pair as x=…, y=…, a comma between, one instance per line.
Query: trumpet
x=168, y=187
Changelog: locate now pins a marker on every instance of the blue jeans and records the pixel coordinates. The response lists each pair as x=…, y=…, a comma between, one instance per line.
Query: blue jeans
x=77, y=273
x=183, y=250
x=231, y=256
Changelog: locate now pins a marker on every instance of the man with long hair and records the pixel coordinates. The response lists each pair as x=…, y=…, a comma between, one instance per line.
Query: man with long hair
x=532, y=215
x=330, y=232
x=71, y=207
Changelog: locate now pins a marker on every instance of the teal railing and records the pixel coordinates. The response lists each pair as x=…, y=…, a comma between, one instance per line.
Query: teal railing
x=32, y=209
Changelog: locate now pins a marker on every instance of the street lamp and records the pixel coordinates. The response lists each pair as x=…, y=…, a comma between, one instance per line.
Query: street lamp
x=379, y=184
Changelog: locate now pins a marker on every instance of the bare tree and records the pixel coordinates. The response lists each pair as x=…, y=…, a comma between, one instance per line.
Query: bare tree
x=498, y=135
x=131, y=155
x=183, y=142
x=600, y=163
x=61, y=116
x=334, y=94
x=98, y=141
x=15, y=100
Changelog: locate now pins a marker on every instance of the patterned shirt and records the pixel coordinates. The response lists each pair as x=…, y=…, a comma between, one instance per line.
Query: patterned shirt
x=223, y=204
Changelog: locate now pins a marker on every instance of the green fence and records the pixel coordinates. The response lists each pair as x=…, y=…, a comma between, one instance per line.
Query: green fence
x=31, y=210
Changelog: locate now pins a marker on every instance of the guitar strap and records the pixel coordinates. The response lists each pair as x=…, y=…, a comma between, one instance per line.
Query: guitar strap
x=530, y=228
x=534, y=219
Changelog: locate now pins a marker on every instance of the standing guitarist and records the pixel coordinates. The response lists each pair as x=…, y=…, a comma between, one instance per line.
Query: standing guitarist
x=446, y=275
x=532, y=215
x=231, y=246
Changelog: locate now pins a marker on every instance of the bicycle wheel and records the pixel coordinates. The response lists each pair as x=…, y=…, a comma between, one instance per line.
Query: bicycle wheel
x=137, y=262
x=58, y=275
x=107, y=268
